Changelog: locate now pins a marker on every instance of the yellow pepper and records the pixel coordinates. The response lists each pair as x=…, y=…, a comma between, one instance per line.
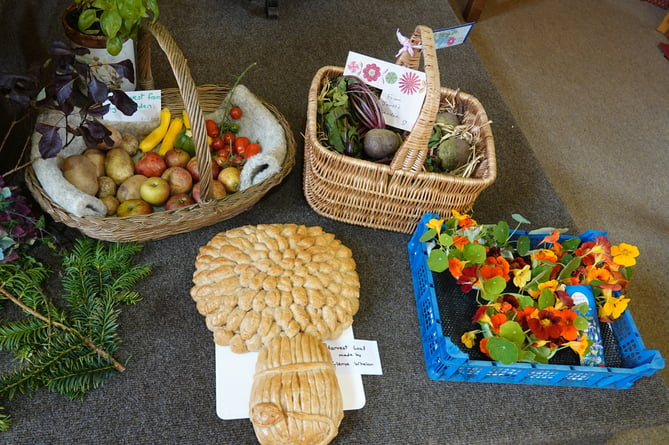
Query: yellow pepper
x=186, y=121
x=157, y=135
x=168, y=141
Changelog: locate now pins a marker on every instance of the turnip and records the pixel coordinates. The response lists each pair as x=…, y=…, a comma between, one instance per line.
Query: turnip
x=379, y=143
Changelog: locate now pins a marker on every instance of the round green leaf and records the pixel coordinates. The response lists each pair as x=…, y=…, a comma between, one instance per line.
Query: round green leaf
x=474, y=253
x=581, y=323
x=501, y=232
x=502, y=350
x=546, y=299
x=427, y=235
x=523, y=245
x=493, y=287
x=445, y=240
x=437, y=261
x=512, y=331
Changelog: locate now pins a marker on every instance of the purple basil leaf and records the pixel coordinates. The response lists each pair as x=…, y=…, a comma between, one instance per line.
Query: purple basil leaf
x=94, y=132
x=123, y=102
x=51, y=143
x=125, y=69
x=60, y=48
x=97, y=90
x=64, y=93
x=98, y=110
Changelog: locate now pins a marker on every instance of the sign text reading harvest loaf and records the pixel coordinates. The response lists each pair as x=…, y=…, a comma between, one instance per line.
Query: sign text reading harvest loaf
x=355, y=356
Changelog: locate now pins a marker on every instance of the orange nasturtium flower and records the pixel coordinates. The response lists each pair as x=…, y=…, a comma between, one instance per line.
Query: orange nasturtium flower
x=598, y=273
x=580, y=345
x=455, y=266
x=495, y=266
x=460, y=241
x=497, y=321
x=435, y=224
x=550, y=284
x=544, y=255
x=468, y=338
x=625, y=254
x=552, y=239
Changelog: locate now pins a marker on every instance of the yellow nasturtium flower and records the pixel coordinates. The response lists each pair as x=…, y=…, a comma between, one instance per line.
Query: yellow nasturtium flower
x=613, y=306
x=521, y=276
x=435, y=224
x=625, y=254
x=468, y=339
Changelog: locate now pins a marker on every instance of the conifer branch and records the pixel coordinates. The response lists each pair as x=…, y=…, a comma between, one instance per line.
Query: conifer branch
x=101, y=352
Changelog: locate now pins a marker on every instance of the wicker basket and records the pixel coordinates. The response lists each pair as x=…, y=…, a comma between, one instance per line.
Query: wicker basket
x=395, y=196
x=195, y=100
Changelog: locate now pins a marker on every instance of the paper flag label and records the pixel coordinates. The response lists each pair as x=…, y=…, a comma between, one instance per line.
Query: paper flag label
x=443, y=38
x=148, y=107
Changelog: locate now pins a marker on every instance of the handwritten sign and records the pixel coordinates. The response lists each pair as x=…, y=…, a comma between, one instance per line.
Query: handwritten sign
x=148, y=107
x=443, y=38
x=402, y=89
x=355, y=356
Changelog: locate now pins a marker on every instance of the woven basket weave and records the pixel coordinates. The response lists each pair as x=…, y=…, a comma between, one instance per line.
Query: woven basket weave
x=395, y=196
x=196, y=101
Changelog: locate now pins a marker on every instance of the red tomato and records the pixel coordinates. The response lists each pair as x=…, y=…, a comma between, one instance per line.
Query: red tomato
x=217, y=143
x=212, y=128
x=235, y=112
x=229, y=139
x=237, y=161
x=240, y=144
x=223, y=153
x=252, y=150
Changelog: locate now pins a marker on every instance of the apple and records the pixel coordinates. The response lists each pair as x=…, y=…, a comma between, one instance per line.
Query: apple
x=217, y=188
x=155, y=190
x=194, y=170
x=133, y=207
x=176, y=157
x=150, y=164
x=179, y=200
x=179, y=179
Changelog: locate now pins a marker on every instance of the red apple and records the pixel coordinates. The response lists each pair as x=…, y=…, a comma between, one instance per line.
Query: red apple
x=179, y=179
x=218, y=190
x=155, y=190
x=132, y=207
x=177, y=157
x=179, y=200
x=194, y=170
x=151, y=164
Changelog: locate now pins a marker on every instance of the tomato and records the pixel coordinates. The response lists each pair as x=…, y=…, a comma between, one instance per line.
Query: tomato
x=240, y=144
x=234, y=128
x=252, y=150
x=236, y=112
x=217, y=143
x=228, y=139
x=221, y=157
x=237, y=161
x=212, y=128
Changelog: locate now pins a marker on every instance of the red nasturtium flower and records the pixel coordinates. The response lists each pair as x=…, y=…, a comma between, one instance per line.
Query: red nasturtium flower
x=495, y=266
x=459, y=242
x=496, y=321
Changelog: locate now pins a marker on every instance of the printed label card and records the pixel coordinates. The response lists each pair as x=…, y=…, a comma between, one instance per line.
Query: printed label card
x=148, y=107
x=402, y=89
x=443, y=38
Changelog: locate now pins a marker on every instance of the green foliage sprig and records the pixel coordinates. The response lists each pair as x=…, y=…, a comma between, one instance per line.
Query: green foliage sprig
x=67, y=345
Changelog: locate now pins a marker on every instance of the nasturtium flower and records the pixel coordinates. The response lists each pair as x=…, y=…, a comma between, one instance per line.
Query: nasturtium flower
x=544, y=255
x=580, y=346
x=613, y=307
x=552, y=239
x=521, y=276
x=468, y=339
x=495, y=266
x=550, y=284
x=546, y=324
x=496, y=321
x=455, y=267
x=464, y=220
x=625, y=254
x=598, y=273
x=460, y=241
x=435, y=224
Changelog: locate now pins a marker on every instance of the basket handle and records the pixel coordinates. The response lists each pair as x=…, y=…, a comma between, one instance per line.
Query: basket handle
x=411, y=155
x=187, y=89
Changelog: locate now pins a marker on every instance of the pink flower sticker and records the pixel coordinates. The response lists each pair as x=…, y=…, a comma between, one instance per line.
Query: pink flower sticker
x=371, y=72
x=354, y=66
x=409, y=83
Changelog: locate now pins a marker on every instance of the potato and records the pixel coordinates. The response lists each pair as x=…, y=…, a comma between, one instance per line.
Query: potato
x=130, y=143
x=115, y=136
x=111, y=203
x=129, y=189
x=380, y=143
x=107, y=187
x=98, y=157
x=82, y=173
x=119, y=165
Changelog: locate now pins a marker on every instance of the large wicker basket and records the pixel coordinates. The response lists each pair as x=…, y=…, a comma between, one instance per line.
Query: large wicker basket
x=195, y=100
x=395, y=196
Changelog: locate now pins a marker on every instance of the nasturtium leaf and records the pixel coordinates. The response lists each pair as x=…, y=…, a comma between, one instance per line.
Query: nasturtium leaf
x=474, y=253
x=523, y=245
x=542, y=354
x=493, y=287
x=571, y=266
x=524, y=301
x=571, y=243
x=546, y=299
x=520, y=218
x=501, y=232
x=428, y=235
x=445, y=240
x=502, y=350
x=512, y=331
x=581, y=323
x=526, y=356
x=437, y=261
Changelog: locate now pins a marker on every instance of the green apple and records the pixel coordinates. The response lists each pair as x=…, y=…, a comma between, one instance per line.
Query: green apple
x=155, y=191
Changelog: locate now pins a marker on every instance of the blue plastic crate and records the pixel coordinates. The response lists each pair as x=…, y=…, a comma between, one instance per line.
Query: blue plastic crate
x=446, y=361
